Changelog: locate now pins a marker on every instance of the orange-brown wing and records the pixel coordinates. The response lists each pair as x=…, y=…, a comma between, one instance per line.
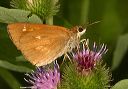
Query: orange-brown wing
x=41, y=44
x=15, y=31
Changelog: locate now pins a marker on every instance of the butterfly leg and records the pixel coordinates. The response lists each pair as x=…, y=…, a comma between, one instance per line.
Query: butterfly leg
x=85, y=42
x=66, y=56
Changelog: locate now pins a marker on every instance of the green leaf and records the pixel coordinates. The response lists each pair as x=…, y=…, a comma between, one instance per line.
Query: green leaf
x=34, y=19
x=10, y=79
x=20, y=58
x=123, y=84
x=7, y=49
x=121, y=48
x=3, y=32
x=16, y=15
x=18, y=68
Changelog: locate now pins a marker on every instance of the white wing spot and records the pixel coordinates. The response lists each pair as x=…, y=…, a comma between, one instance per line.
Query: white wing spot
x=39, y=47
x=38, y=37
x=24, y=29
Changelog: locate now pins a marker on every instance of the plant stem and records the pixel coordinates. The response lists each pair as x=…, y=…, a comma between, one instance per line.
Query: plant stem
x=84, y=11
x=49, y=20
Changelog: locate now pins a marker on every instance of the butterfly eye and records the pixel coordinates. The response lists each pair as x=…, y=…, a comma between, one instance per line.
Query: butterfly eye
x=80, y=29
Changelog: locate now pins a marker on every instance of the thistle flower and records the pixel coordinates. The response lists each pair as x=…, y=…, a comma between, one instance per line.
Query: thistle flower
x=86, y=71
x=44, y=79
x=86, y=59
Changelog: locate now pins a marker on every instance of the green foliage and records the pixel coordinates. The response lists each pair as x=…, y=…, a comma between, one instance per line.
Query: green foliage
x=9, y=78
x=110, y=27
x=121, y=48
x=16, y=15
x=123, y=84
x=20, y=58
x=111, y=13
x=98, y=79
x=77, y=12
x=7, y=65
x=42, y=8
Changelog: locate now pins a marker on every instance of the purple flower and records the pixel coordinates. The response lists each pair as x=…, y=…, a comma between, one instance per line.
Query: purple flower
x=44, y=79
x=86, y=59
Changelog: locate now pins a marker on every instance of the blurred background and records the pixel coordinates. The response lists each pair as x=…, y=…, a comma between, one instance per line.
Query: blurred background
x=111, y=30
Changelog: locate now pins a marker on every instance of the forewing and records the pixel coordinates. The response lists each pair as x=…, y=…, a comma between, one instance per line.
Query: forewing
x=15, y=31
x=41, y=44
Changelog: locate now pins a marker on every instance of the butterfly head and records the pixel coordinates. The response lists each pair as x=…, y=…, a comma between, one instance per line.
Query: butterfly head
x=80, y=31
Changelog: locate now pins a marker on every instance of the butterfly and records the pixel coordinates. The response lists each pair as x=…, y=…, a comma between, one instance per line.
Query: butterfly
x=41, y=44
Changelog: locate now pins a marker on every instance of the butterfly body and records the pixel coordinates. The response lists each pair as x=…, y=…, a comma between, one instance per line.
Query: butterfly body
x=41, y=44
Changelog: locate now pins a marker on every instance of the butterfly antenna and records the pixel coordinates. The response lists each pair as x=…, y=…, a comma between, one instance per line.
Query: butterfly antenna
x=93, y=23
x=89, y=24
